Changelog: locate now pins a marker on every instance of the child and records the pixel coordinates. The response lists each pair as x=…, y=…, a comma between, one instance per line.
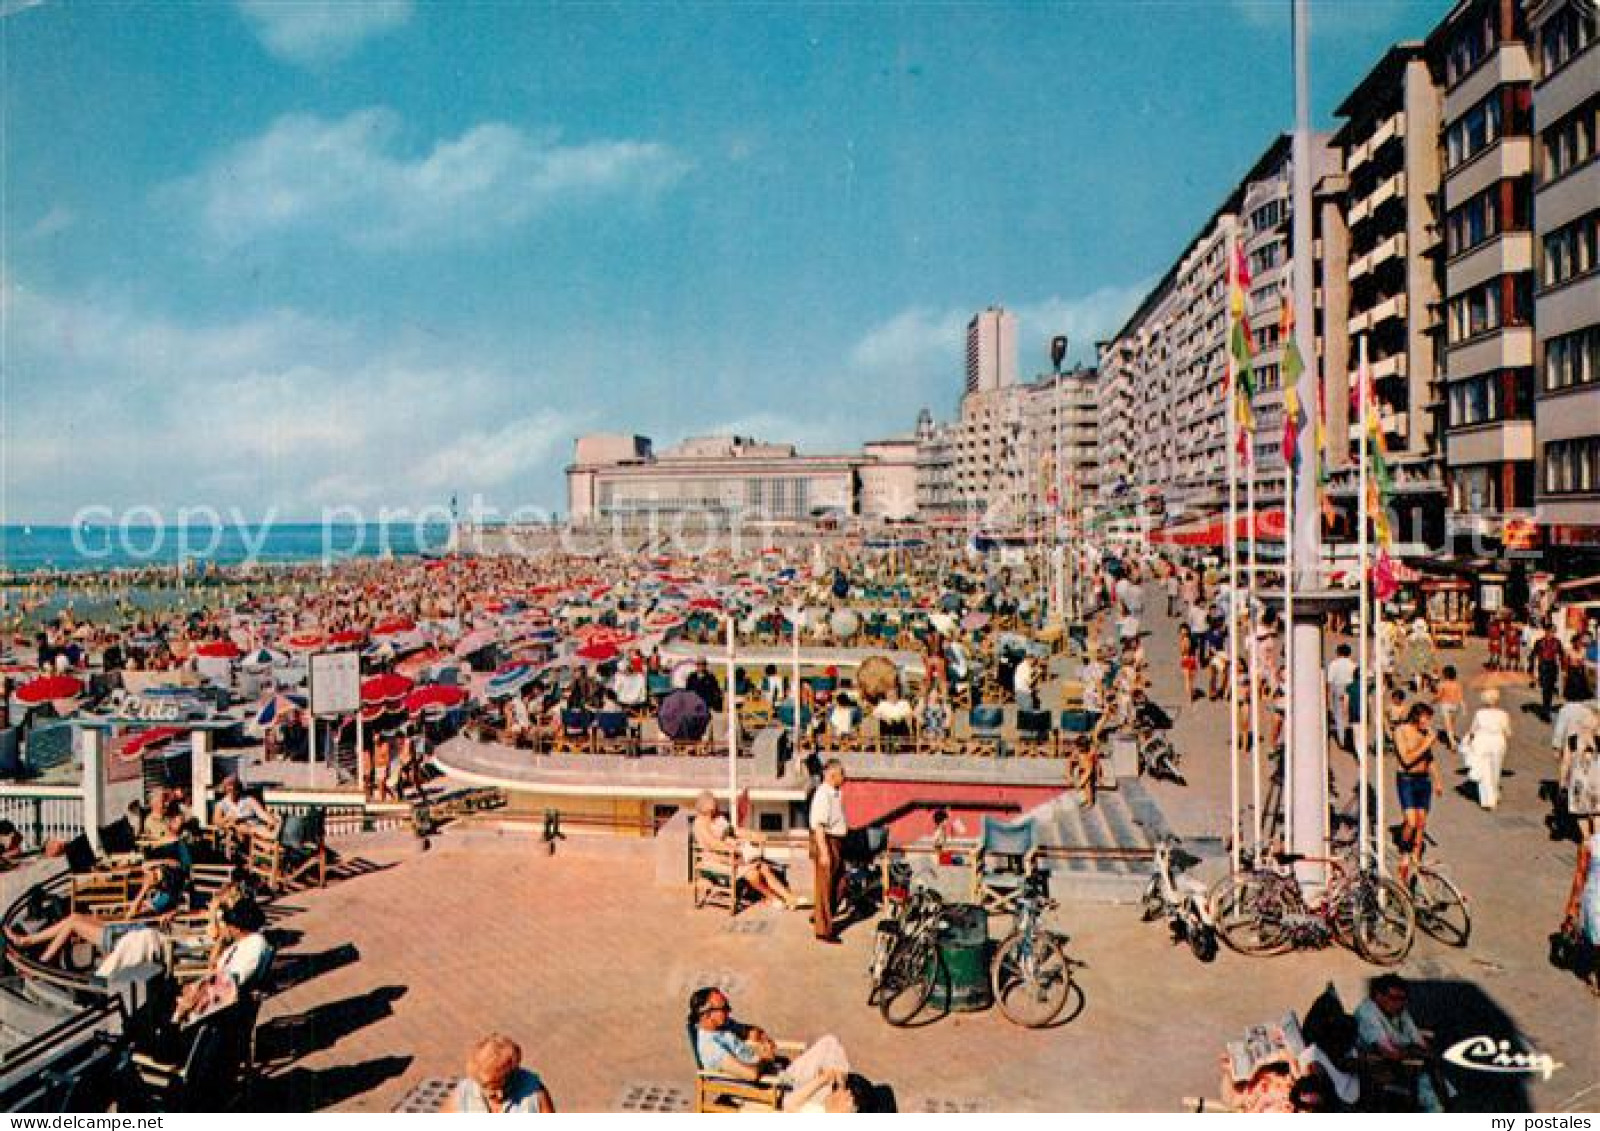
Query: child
x=1449, y=699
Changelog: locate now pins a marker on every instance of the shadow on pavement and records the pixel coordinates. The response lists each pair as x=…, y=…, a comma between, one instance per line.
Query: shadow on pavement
x=307, y=1089
x=284, y=1040
x=1456, y=1011
x=297, y=969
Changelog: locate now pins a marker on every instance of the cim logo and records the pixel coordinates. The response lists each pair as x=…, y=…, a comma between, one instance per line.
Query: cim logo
x=1485, y=1054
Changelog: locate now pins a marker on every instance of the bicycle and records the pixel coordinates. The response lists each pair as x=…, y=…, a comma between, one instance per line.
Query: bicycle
x=1441, y=908
x=905, y=957
x=1032, y=972
x=1262, y=911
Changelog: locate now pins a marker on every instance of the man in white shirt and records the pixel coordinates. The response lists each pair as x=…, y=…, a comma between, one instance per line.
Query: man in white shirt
x=828, y=828
x=1022, y=684
x=1341, y=674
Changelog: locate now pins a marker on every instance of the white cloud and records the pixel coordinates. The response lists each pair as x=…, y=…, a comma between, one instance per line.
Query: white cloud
x=351, y=178
x=107, y=405
x=57, y=220
x=9, y=8
x=314, y=33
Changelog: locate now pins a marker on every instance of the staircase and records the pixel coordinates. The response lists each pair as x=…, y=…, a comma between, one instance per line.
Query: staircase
x=1125, y=818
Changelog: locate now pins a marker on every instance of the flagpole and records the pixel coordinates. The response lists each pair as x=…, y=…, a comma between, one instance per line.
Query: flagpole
x=794, y=663
x=1287, y=792
x=1364, y=605
x=1252, y=619
x=1231, y=413
x=733, y=730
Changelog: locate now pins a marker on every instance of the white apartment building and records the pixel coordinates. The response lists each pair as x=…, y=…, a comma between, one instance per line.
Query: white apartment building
x=991, y=350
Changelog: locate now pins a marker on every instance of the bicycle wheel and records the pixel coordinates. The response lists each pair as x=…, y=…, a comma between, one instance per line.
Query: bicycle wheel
x=1032, y=979
x=908, y=978
x=1441, y=908
x=1249, y=912
x=1382, y=920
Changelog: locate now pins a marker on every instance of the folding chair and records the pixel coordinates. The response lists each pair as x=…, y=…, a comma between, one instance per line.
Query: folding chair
x=1035, y=732
x=715, y=1093
x=1003, y=862
x=574, y=737
x=984, y=722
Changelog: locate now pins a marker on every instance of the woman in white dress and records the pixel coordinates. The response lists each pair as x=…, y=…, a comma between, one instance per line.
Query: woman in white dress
x=1484, y=748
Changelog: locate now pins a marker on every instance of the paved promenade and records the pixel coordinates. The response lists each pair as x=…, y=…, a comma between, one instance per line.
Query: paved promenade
x=588, y=962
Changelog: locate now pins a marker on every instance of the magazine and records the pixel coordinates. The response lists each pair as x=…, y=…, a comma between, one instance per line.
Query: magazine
x=1265, y=1044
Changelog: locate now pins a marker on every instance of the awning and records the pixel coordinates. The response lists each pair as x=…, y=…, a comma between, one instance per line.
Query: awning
x=1269, y=527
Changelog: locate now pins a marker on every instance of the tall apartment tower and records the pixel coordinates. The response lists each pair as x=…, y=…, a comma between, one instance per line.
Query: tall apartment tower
x=991, y=350
x=1390, y=143
x=1566, y=112
x=1481, y=55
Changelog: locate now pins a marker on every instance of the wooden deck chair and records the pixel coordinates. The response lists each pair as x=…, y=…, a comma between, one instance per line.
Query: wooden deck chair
x=1006, y=857
x=715, y=1093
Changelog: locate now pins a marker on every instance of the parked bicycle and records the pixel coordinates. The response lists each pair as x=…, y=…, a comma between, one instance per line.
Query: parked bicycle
x=1441, y=908
x=1032, y=972
x=905, y=954
x=1262, y=910
x=1181, y=900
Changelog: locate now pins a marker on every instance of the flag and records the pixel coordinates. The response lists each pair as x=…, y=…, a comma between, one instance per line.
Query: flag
x=1294, y=418
x=1379, y=483
x=1384, y=582
x=1240, y=343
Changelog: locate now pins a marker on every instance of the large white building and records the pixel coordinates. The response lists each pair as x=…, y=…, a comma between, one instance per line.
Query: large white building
x=718, y=480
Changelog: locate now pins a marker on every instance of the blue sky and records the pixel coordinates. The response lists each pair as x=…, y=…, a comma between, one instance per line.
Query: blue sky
x=304, y=255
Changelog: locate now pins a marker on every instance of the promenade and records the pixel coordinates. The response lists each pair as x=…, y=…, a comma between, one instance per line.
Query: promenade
x=587, y=961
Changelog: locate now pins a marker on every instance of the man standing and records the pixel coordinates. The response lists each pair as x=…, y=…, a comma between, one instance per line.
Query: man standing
x=1341, y=674
x=828, y=829
x=705, y=685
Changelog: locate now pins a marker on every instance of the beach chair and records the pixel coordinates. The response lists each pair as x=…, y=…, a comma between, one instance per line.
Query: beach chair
x=215, y=1068
x=718, y=1094
x=1035, y=733
x=984, y=722
x=1003, y=862
x=613, y=733
x=575, y=733
x=106, y=892
x=272, y=863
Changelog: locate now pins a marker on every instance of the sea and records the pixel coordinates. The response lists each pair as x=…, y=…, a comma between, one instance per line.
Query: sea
x=56, y=549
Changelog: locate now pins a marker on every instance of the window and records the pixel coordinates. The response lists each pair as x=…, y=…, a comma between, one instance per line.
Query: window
x=1503, y=301
x=1502, y=207
x=1572, y=467
x=1474, y=131
x=1475, y=488
x=1572, y=360
x=1471, y=46
x=1570, y=251
x=1264, y=259
x=1476, y=401
x=1564, y=35
x=1570, y=142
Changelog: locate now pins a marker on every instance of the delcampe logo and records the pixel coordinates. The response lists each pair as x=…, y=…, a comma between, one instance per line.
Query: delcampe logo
x=1485, y=1054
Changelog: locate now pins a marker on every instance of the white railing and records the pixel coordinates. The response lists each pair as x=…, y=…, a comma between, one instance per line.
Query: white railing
x=42, y=812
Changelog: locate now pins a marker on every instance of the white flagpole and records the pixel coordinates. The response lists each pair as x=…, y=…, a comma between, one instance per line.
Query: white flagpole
x=1287, y=798
x=1252, y=619
x=1231, y=413
x=1364, y=606
x=794, y=663
x=732, y=707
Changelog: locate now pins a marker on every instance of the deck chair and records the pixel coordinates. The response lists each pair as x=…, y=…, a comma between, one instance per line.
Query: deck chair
x=273, y=863
x=613, y=733
x=574, y=735
x=214, y=1068
x=715, y=1093
x=107, y=893
x=984, y=722
x=1005, y=858
x=1035, y=732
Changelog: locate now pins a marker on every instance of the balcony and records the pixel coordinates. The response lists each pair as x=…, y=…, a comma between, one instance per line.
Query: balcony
x=1395, y=365
x=1392, y=307
x=1388, y=249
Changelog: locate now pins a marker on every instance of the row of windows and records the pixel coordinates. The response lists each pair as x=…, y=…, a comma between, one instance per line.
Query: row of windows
x=1571, y=250
x=1503, y=112
x=1572, y=359
x=1491, y=397
x=1471, y=46
x=1572, y=467
x=1483, y=487
x=1269, y=215
x=1264, y=259
x=1565, y=34
x=1570, y=142
x=1502, y=207
x=1503, y=301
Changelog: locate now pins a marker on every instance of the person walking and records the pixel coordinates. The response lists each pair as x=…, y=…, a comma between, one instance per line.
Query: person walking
x=1341, y=676
x=1416, y=781
x=1484, y=748
x=1545, y=660
x=828, y=828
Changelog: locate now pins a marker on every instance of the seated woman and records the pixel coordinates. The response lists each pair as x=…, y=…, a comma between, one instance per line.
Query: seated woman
x=497, y=1083
x=715, y=833
x=239, y=959
x=934, y=718
x=818, y=1079
x=894, y=715
x=238, y=810
x=843, y=718
x=158, y=894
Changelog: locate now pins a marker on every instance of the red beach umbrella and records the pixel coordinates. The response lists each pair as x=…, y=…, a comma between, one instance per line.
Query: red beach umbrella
x=49, y=689
x=219, y=650
x=435, y=697
x=347, y=637
x=304, y=642
x=394, y=626
x=386, y=688
x=598, y=653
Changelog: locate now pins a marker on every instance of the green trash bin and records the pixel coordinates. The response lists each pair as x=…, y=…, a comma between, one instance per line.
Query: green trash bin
x=963, y=985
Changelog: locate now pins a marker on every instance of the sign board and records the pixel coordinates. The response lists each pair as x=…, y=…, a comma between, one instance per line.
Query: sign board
x=336, y=683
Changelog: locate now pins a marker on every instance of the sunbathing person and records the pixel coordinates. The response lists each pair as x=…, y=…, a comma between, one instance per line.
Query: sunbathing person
x=237, y=809
x=818, y=1078
x=714, y=833
x=239, y=956
x=158, y=894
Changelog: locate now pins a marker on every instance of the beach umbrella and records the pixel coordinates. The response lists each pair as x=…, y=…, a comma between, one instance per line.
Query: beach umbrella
x=662, y=621
x=844, y=622
x=137, y=744
x=264, y=657
x=394, y=626
x=599, y=652
x=275, y=708
x=509, y=679
x=49, y=689
x=475, y=642
x=708, y=603
x=219, y=650
x=435, y=697
x=683, y=716
x=386, y=688
x=876, y=679
x=347, y=638
x=304, y=642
